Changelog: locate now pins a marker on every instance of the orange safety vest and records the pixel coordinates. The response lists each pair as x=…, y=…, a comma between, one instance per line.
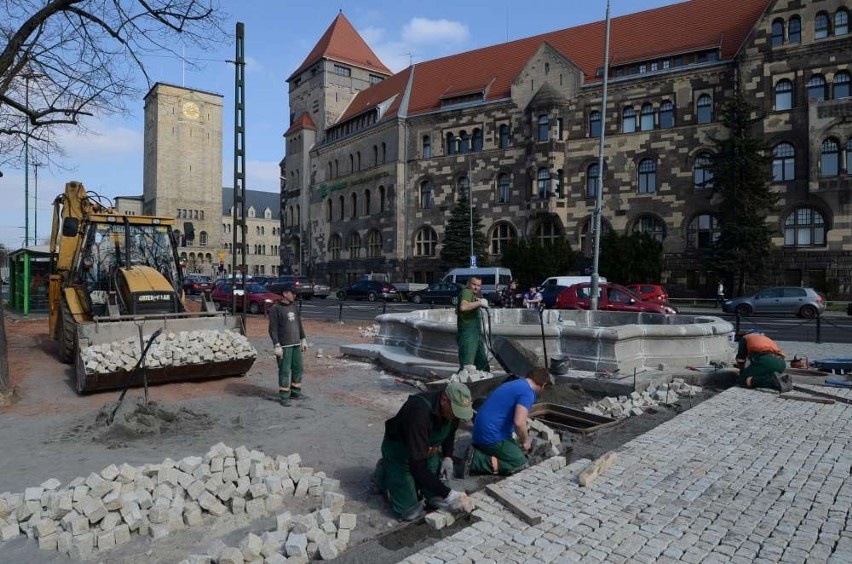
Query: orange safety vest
x=757, y=343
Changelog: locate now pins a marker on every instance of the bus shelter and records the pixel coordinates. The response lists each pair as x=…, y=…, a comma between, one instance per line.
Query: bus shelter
x=29, y=270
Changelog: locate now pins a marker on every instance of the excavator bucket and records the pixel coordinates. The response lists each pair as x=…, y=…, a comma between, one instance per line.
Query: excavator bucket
x=192, y=346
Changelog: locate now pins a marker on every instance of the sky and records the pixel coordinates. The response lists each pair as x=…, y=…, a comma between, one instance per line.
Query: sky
x=279, y=34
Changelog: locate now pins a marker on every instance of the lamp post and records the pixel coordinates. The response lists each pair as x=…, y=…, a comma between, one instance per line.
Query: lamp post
x=470, y=208
x=35, y=203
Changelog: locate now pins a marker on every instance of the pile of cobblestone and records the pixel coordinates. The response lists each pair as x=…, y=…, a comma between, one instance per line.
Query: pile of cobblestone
x=637, y=403
x=469, y=374
x=169, y=349
x=93, y=514
x=369, y=332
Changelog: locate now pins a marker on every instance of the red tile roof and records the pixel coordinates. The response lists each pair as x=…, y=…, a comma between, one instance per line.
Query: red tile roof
x=304, y=121
x=669, y=30
x=342, y=43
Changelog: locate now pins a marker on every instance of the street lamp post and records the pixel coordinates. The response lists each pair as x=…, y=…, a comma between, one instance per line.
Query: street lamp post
x=35, y=203
x=470, y=208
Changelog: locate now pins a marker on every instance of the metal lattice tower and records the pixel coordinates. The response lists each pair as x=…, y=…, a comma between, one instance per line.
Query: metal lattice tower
x=238, y=254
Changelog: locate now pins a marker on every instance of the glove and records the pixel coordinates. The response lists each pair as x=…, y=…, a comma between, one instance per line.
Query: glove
x=279, y=352
x=455, y=501
x=304, y=345
x=483, y=302
x=446, y=472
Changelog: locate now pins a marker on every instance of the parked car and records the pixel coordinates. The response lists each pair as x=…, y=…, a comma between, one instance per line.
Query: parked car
x=262, y=280
x=368, y=290
x=549, y=293
x=802, y=302
x=649, y=292
x=260, y=300
x=304, y=288
x=321, y=290
x=437, y=293
x=612, y=298
x=196, y=283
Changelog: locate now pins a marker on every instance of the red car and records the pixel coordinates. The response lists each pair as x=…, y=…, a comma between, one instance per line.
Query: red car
x=196, y=283
x=612, y=298
x=649, y=292
x=259, y=299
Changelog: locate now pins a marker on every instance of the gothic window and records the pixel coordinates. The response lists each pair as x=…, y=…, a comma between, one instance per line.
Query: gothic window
x=702, y=176
x=543, y=127
x=794, y=29
x=841, y=22
x=465, y=142
x=425, y=242
x=651, y=225
x=647, y=176
x=425, y=194
x=829, y=158
x=374, y=244
x=841, y=85
x=367, y=202
x=816, y=87
x=704, y=109
x=501, y=234
x=547, y=232
x=592, y=179
x=821, y=26
x=667, y=117
x=804, y=227
x=427, y=147
x=451, y=144
x=334, y=244
x=463, y=188
x=381, y=199
x=341, y=206
x=646, y=120
x=543, y=183
x=477, y=139
x=595, y=124
x=354, y=245
x=202, y=239
x=777, y=33
x=628, y=120
x=328, y=210
x=503, y=189
x=783, y=95
x=504, y=136
x=703, y=232
x=353, y=211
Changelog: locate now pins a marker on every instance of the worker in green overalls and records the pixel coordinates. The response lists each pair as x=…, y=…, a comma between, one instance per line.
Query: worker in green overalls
x=469, y=327
x=766, y=363
x=417, y=452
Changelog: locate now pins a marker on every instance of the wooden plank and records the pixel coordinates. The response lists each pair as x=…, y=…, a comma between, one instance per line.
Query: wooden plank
x=596, y=468
x=811, y=392
x=514, y=505
x=789, y=396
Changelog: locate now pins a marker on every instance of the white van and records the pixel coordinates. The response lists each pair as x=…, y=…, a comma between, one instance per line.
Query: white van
x=494, y=279
x=566, y=281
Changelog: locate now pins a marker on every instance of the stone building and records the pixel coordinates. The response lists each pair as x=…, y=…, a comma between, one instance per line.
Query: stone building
x=183, y=179
x=375, y=160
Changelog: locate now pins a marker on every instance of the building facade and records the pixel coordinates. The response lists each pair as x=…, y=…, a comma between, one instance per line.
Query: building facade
x=374, y=161
x=183, y=179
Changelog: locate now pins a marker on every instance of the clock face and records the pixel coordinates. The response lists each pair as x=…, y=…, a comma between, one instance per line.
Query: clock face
x=190, y=110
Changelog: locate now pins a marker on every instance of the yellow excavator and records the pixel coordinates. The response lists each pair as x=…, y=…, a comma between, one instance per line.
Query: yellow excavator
x=115, y=282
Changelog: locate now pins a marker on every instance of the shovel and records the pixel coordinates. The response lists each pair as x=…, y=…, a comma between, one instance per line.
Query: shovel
x=139, y=364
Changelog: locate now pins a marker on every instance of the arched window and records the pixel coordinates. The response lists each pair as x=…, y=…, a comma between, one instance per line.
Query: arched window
x=375, y=155
x=328, y=210
x=336, y=168
x=334, y=244
x=451, y=144
x=783, y=95
x=353, y=208
x=504, y=136
x=381, y=199
x=477, y=139
x=559, y=184
x=816, y=87
x=841, y=85
x=427, y=147
x=646, y=121
x=821, y=26
x=501, y=234
x=592, y=178
x=841, y=22
x=425, y=242
x=667, y=117
x=351, y=164
x=647, y=176
x=354, y=245
x=543, y=183
x=543, y=127
x=701, y=174
x=704, y=109
x=341, y=208
x=547, y=232
x=504, y=193
x=463, y=187
x=202, y=239
x=794, y=30
x=465, y=142
x=358, y=160
x=367, y=203
x=426, y=194
x=384, y=152
x=783, y=162
x=374, y=244
x=651, y=225
x=829, y=158
x=703, y=232
x=595, y=124
x=804, y=227
x=628, y=120
x=777, y=32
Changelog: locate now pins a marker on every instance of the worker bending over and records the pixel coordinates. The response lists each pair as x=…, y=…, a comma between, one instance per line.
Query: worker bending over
x=469, y=326
x=417, y=452
x=505, y=410
x=766, y=364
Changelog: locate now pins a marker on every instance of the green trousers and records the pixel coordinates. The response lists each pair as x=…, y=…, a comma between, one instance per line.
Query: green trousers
x=760, y=369
x=508, y=454
x=290, y=370
x=471, y=349
x=395, y=479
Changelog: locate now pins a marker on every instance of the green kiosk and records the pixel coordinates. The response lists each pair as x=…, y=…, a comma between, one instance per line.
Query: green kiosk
x=29, y=271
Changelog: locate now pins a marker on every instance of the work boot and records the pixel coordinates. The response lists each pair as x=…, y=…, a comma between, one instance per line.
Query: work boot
x=299, y=396
x=782, y=382
x=376, y=478
x=284, y=401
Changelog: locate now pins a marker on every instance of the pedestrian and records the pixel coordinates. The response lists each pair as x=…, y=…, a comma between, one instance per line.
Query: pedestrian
x=493, y=451
x=532, y=298
x=288, y=338
x=417, y=452
x=761, y=363
x=510, y=295
x=469, y=326
x=720, y=294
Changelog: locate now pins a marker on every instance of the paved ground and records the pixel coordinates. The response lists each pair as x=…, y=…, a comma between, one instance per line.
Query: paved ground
x=743, y=477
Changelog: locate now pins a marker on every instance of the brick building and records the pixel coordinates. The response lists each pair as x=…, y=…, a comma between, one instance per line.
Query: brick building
x=375, y=160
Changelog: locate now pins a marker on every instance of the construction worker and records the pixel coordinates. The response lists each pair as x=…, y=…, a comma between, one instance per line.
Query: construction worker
x=469, y=327
x=765, y=363
x=288, y=338
x=505, y=411
x=417, y=452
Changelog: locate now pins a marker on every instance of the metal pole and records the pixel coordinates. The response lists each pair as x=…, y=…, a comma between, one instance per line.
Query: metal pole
x=470, y=203
x=27, y=163
x=599, y=195
x=35, y=204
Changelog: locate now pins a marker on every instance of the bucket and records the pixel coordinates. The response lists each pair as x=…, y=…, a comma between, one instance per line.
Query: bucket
x=560, y=365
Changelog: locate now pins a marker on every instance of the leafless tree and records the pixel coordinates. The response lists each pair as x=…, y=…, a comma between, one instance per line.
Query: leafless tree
x=63, y=59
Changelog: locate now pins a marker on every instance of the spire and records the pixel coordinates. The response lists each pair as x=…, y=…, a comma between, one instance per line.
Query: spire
x=342, y=43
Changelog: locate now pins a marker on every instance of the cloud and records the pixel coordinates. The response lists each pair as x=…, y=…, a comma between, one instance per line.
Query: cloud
x=372, y=35
x=260, y=175
x=103, y=140
x=423, y=31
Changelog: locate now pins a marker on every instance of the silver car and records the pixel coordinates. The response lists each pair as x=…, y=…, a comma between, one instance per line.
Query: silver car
x=802, y=302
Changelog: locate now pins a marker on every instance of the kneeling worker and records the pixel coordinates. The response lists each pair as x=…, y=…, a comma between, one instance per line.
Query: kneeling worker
x=765, y=363
x=505, y=410
x=417, y=452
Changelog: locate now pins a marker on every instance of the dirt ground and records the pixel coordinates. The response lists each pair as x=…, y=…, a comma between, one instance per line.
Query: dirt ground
x=51, y=432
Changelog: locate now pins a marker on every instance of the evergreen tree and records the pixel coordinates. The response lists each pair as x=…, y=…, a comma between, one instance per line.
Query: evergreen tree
x=531, y=261
x=455, y=251
x=741, y=170
x=631, y=257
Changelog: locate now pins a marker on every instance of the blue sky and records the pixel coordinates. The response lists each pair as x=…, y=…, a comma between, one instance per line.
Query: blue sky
x=279, y=35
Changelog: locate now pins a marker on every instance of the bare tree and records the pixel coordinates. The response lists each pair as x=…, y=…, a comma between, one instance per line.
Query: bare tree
x=63, y=59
